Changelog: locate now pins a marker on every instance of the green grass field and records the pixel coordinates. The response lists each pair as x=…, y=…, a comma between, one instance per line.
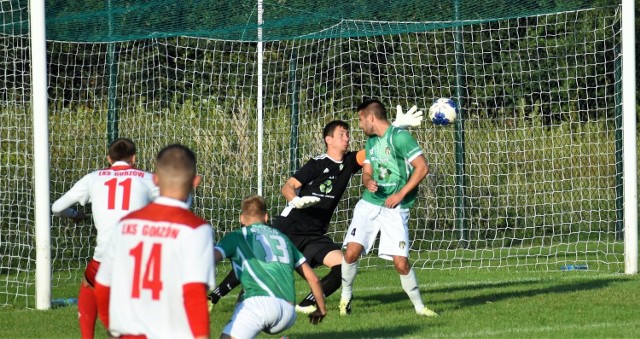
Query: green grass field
x=474, y=303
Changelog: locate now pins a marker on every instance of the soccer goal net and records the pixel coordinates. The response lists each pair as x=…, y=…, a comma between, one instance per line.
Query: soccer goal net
x=528, y=178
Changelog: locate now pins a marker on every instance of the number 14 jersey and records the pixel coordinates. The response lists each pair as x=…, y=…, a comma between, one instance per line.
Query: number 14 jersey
x=153, y=253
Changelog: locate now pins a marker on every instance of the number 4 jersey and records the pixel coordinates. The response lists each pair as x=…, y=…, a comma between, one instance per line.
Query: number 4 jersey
x=152, y=254
x=263, y=259
x=113, y=193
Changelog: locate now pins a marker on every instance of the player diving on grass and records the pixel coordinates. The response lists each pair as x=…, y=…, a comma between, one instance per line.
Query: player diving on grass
x=113, y=192
x=264, y=260
x=313, y=193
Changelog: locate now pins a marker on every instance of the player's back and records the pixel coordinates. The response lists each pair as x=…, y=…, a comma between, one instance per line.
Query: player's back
x=153, y=254
x=264, y=261
x=115, y=192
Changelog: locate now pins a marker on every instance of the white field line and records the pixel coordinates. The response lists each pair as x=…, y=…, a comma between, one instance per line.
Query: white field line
x=539, y=330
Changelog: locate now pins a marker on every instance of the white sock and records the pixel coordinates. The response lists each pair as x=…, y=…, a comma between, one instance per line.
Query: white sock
x=349, y=272
x=410, y=286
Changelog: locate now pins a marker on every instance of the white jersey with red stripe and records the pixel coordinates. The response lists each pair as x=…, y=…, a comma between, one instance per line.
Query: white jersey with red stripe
x=113, y=192
x=152, y=254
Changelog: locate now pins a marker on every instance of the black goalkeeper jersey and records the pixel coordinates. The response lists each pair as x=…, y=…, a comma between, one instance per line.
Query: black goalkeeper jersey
x=320, y=177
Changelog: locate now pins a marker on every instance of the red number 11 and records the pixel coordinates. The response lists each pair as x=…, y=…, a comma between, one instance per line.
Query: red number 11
x=152, y=278
x=126, y=194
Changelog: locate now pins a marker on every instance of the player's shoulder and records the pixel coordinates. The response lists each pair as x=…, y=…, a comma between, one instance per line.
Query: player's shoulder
x=155, y=212
x=321, y=158
x=400, y=134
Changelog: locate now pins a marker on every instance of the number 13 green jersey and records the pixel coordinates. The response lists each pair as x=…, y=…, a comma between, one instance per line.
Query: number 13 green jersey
x=263, y=259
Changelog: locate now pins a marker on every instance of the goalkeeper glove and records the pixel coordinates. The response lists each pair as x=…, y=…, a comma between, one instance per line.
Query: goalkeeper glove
x=412, y=118
x=304, y=202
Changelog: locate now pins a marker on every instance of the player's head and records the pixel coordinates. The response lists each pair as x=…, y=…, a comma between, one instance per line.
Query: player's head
x=253, y=209
x=122, y=149
x=176, y=171
x=336, y=135
x=371, y=111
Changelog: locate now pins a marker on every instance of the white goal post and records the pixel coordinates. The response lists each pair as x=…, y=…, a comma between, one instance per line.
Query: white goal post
x=630, y=138
x=40, y=153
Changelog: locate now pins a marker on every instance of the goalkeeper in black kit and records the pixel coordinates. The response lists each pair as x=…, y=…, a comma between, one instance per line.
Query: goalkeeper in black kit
x=313, y=193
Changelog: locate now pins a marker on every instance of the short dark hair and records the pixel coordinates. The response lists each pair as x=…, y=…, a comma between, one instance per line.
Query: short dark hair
x=253, y=206
x=373, y=106
x=177, y=161
x=121, y=149
x=331, y=127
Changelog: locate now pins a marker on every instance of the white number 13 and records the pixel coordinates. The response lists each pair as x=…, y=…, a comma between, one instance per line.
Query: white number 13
x=275, y=248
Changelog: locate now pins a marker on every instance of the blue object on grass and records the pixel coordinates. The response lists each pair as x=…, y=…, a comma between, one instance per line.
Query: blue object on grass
x=574, y=268
x=63, y=302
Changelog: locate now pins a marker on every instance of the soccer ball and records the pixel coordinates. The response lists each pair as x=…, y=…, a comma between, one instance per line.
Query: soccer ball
x=443, y=112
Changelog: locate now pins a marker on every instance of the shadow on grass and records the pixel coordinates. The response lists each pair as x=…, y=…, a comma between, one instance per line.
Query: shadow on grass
x=371, y=332
x=492, y=292
x=557, y=288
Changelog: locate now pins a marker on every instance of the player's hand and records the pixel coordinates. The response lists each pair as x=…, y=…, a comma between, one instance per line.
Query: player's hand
x=393, y=200
x=304, y=202
x=80, y=216
x=412, y=118
x=316, y=317
x=372, y=186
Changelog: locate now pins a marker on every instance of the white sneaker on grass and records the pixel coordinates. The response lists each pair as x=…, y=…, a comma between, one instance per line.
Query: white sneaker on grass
x=345, y=306
x=425, y=311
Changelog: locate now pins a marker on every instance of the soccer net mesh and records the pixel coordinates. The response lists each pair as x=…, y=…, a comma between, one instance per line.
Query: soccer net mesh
x=528, y=179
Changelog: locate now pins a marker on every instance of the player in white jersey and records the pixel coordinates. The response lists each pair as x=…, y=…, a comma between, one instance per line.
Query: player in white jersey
x=113, y=192
x=393, y=168
x=264, y=259
x=158, y=266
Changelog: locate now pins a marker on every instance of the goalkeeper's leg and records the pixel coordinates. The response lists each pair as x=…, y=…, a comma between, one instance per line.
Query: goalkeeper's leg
x=228, y=283
x=330, y=283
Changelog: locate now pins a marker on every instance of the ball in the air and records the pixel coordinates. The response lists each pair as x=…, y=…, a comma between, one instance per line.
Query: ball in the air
x=443, y=112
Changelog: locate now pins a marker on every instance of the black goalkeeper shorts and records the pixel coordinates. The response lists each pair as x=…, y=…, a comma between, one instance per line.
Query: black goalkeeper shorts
x=313, y=247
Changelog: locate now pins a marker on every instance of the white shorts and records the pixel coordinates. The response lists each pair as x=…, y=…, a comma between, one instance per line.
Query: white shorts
x=256, y=314
x=369, y=219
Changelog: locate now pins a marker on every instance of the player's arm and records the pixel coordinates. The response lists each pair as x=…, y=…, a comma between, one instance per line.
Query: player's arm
x=307, y=273
x=289, y=191
x=217, y=255
x=195, y=305
x=420, y=170
x=198, y=272
x=290, y=188
x=367, y=177
x=79, y=193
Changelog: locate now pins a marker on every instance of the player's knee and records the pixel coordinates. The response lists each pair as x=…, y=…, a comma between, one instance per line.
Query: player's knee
x=402, y=266
x=351, y=257
x=402, y=270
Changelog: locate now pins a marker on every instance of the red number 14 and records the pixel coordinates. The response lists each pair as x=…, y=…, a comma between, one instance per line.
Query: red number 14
x=151, y=278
